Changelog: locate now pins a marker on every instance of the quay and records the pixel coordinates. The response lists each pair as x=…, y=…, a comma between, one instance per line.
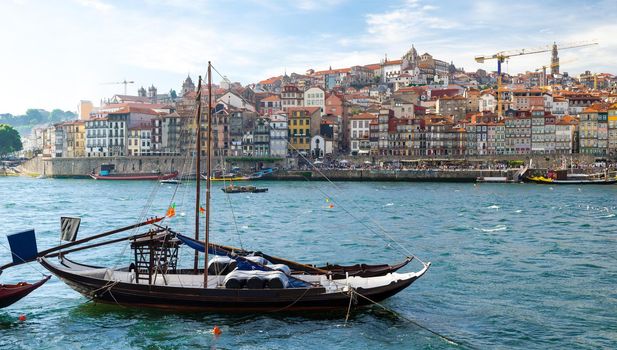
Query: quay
x=82, y=167
x=380, y=169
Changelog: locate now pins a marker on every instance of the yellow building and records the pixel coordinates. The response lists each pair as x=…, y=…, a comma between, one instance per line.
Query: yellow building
x=612, y=129
x=303, y=122
x=84, y=109
x=75, y=132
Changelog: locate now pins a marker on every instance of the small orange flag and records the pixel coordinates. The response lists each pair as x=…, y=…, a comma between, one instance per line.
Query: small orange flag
x=171, y=211
x=202, y=211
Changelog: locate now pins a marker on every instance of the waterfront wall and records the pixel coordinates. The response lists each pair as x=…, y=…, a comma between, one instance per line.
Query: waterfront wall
x=432, y=175
x=81, y=167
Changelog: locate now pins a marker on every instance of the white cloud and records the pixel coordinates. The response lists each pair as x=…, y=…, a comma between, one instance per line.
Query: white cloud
x=158, y=42
x=402, y=24
x=98, y=5
x=312, y=5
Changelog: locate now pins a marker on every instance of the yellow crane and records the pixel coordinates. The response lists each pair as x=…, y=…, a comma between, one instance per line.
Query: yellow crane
x=502, y=56
x=552, y=65
x=124, y=82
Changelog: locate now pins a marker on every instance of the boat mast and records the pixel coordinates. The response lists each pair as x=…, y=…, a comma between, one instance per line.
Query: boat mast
x=208, y=166
x=198, y=171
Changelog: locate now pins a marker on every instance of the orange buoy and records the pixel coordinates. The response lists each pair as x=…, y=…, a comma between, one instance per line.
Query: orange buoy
x=22, y=318
x=331, y=206
x=216, y=330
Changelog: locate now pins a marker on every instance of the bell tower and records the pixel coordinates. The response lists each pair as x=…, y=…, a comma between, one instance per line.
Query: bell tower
x=554, y=60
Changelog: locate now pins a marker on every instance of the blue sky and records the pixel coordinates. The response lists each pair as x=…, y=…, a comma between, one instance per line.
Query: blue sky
x=55, y=53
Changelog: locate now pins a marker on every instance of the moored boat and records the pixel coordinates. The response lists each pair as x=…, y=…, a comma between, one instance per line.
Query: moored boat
x=137, y=176
x=580, y=181
x=171, y=181
x=243, y=189
x=12, y=293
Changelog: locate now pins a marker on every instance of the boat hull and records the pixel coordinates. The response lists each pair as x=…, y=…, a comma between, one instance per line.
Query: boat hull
x=12, y=293
x=135, y=177
x=545, y=181
x=221, y=299
x=234, y=190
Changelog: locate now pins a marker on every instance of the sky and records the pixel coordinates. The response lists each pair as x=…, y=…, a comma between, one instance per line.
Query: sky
x=55, y=53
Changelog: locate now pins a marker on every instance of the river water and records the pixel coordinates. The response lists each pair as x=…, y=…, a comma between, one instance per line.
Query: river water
x=513, y=266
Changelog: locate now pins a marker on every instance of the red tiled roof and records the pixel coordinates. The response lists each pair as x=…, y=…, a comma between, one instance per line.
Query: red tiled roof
x=310, y=110
x=333, y=71
x=269, y=80
x=272, y=98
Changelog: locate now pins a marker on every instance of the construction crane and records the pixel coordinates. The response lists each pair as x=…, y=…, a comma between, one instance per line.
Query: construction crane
x=552, y=65
x=502, y=56
x=124, y=82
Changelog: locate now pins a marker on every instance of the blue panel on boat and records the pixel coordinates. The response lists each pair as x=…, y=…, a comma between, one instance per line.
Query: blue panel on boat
x=199, y=246
x=23, y=246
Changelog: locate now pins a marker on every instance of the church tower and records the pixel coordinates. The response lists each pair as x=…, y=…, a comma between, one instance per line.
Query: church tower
x=188, y=85
x=554, y=60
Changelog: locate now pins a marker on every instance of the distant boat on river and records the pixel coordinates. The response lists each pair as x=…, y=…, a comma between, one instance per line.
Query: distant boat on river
x=562, y=177
x=107, y=172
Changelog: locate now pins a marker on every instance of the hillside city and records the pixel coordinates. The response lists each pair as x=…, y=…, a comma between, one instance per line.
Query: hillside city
x=415, y=106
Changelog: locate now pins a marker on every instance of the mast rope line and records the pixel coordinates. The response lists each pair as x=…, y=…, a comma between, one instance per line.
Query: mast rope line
x=24, y=261
x=293, y=303
x=385, y=232
x=233, y=214
x=416, y=323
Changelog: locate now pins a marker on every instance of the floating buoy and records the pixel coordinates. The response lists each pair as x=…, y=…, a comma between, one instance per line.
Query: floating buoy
x=216, y=330
x=331, y=206
x=22, y=318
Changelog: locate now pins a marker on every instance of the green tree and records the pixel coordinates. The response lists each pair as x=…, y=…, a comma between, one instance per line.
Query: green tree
x=56, y=115
x=36, y=116
x=10, y=141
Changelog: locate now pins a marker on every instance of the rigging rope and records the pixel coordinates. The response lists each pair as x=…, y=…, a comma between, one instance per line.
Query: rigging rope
x=362, y=222
x=444, y=337
x=20, y=258
x=384, y=232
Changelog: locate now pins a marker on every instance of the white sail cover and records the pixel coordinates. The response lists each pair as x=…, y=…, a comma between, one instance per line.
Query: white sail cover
x=68, y=228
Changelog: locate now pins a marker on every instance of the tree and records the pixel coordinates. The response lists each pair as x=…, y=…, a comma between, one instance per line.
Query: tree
x=36, y=116
x=10, y=141
x=173, y=94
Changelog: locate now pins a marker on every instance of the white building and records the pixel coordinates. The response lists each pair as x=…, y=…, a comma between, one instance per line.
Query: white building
x=315, y=97
x=391, y=69
x=320, y=146
x=231, y=99
x=278, y=135
x=140, y=140
x=488, y=102
x=359, y=133
x=559, y=107
x=97, y=140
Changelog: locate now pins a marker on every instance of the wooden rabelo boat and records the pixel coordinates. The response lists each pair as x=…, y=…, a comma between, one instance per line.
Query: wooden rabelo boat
x=12, y=293
x=234, y=280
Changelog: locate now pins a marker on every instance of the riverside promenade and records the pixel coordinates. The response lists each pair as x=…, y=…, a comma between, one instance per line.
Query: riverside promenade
x=82, y=167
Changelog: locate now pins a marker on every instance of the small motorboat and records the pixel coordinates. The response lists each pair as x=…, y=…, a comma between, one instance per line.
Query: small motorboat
x=12, y=293
x=243, y=189
x=171, y=181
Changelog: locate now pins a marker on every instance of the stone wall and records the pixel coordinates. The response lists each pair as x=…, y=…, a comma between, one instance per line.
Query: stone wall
x=78, y=167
